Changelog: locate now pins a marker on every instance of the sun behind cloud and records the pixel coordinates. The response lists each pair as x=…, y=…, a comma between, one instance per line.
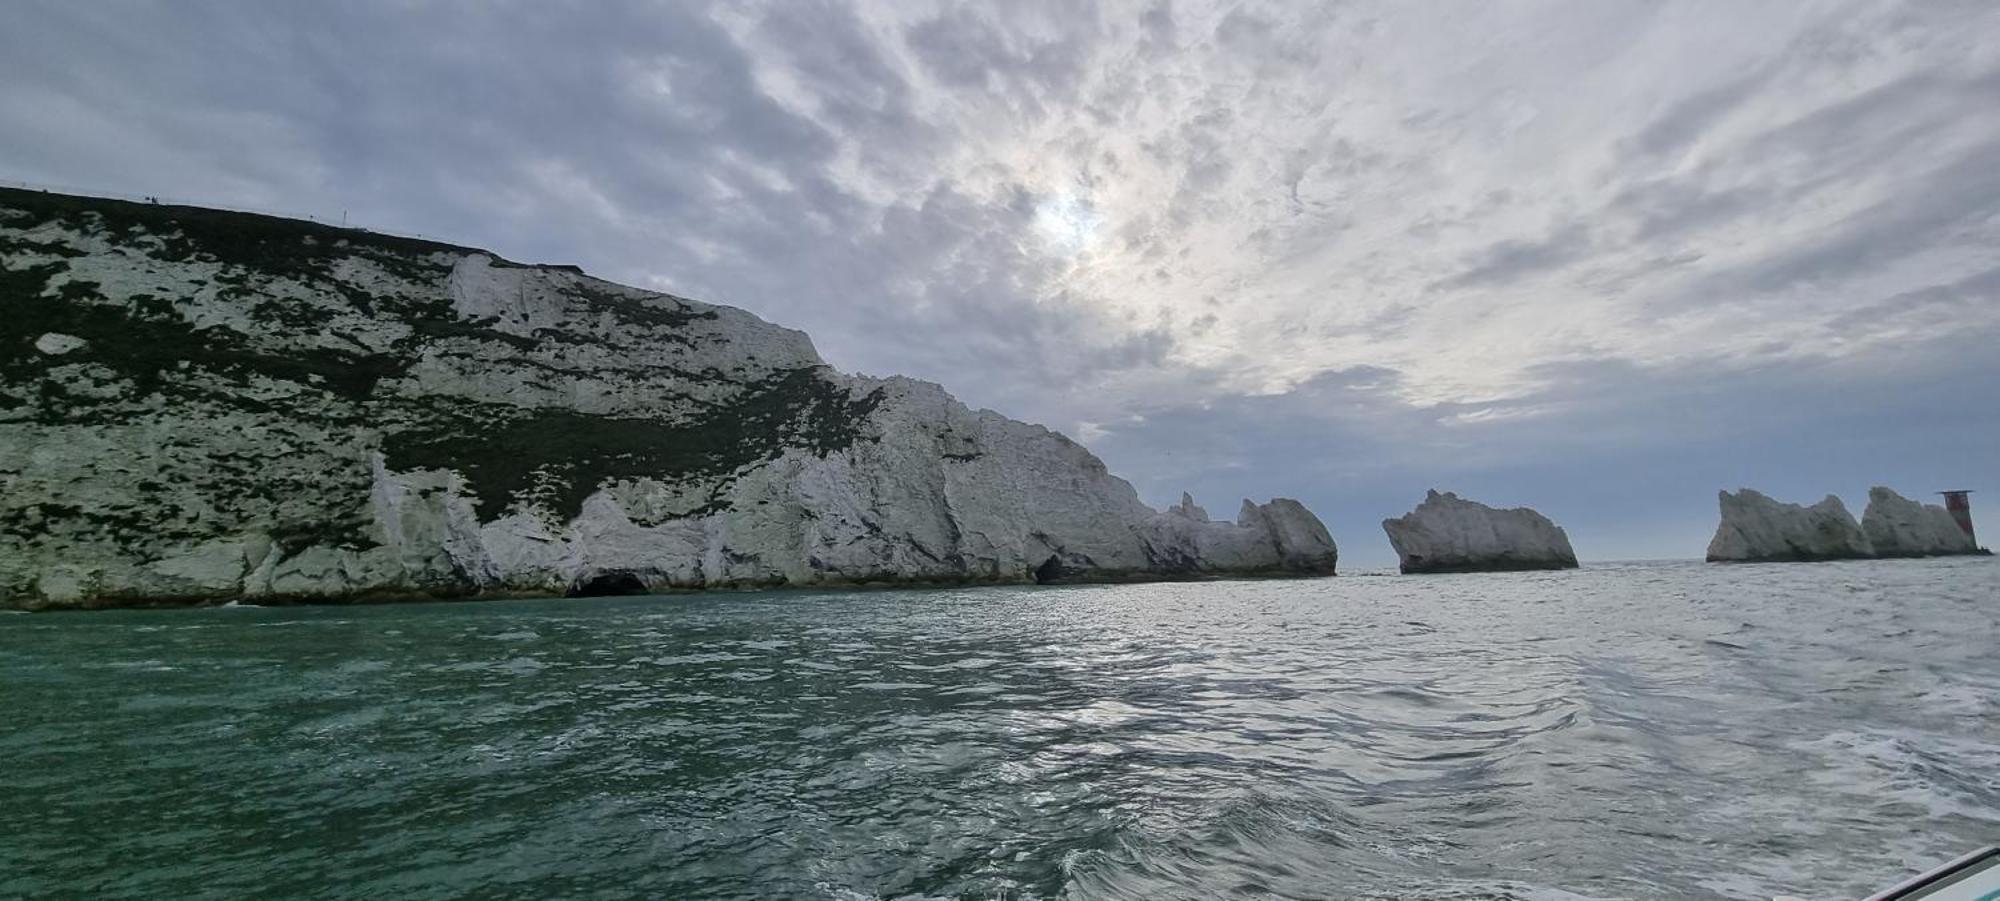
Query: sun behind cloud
x=1068, y=222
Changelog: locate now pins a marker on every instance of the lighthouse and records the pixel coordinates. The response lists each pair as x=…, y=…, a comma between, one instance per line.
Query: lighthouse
x=1959, y=505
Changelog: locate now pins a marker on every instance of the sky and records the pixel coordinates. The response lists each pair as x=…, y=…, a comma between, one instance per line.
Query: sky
x=1600, y=258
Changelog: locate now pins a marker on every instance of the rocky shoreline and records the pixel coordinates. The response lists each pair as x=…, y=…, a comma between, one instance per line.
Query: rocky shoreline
x=200, y=405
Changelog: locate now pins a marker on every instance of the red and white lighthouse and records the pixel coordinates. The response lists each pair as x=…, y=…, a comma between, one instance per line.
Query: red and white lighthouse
x=1959, y=505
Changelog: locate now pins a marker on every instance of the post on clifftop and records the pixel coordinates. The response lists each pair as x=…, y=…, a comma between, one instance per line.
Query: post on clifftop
x=1959, y=504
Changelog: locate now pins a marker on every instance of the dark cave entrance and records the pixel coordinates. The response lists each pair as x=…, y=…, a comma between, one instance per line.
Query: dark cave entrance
x=612, y=584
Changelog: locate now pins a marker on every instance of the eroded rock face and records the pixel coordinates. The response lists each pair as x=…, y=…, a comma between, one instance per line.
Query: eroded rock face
x=1755, y=528
x=198, y=405
x=1447, y=533
x=1899, y=527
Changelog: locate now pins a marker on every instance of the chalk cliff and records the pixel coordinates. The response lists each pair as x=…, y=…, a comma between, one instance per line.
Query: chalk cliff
x=1755, y=528
x=1447, y=533
x=198, y=405
x=1899, y=527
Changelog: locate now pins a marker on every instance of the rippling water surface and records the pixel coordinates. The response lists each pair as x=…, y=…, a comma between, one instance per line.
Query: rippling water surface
x=1666, y=730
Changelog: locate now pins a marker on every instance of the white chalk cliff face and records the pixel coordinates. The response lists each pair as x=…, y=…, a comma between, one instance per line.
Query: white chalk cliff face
x=1447, y=533
x=198, y=406
x=1755, y=528
x=1899, y=527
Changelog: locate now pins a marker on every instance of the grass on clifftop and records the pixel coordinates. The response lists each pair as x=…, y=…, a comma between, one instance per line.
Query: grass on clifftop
x=292, y=248
x=272, y=244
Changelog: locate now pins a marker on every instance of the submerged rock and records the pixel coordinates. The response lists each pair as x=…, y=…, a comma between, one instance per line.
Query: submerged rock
x=1447, y=533
x=1899, y=527
x=1755, y=528
x=198, y=405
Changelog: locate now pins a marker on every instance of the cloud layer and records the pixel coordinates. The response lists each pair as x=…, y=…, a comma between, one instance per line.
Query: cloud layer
x=1345, y=252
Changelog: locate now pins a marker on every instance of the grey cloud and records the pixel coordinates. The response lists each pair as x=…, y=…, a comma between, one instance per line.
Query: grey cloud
x=1686, y=121
x=1667, y=209
x=1885, y=115
x=960, y=47
x=1960, y=196
x=1244, y=30
x=1158, y=24
x=1943, y=305
x=859, y=89
x=1812, y=157
x=965, y=49
x=1271, y=40
x=1509, y=261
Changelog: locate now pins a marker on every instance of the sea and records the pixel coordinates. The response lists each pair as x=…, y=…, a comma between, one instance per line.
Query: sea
x=1634, y=730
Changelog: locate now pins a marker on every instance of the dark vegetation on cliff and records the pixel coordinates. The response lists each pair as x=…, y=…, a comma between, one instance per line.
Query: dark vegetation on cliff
x=146, y=360
x=267, y=244
x=559, y=457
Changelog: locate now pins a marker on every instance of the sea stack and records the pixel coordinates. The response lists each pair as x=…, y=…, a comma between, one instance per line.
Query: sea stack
x=1447, y=533
x=200, y=405
x=1899, y=527
x=1756, y=529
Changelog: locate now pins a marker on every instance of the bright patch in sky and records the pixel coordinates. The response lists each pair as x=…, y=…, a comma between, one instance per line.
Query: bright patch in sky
x=1067, y=222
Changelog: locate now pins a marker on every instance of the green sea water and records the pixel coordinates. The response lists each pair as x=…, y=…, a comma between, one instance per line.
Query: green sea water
x=1667, y=730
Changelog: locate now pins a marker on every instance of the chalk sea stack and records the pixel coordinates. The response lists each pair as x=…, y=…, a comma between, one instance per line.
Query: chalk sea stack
x=199, y=405
x=1447, y=533
x=1755, y=529
x=1899, y=527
